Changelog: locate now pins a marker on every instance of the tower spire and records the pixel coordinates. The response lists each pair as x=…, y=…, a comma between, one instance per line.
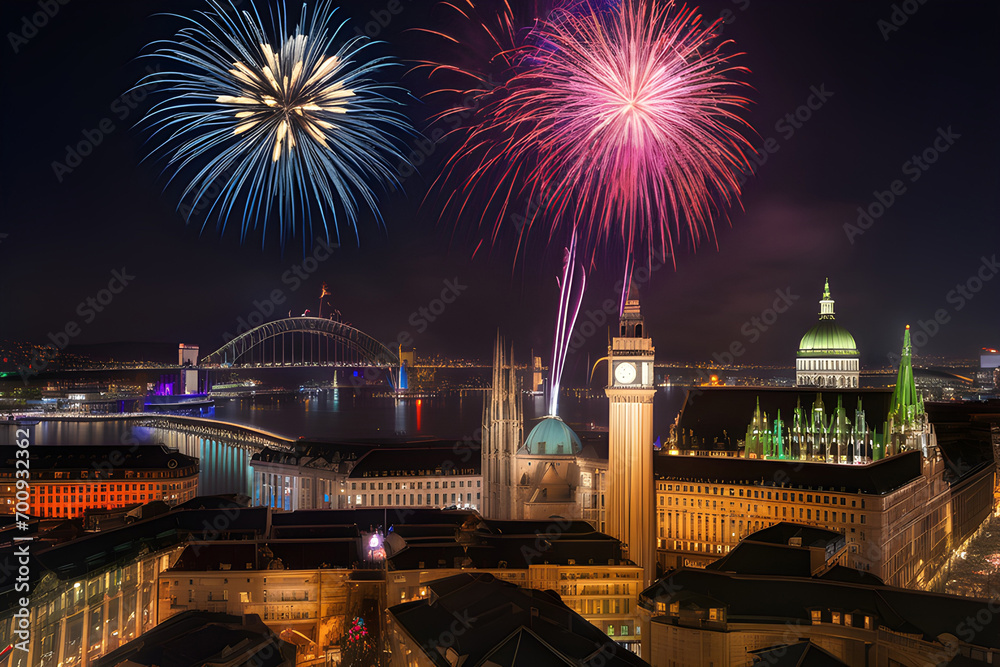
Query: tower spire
x=906, y=402
x=826, y=303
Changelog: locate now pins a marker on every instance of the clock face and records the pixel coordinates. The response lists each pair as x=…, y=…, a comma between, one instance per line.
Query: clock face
x=625, y=373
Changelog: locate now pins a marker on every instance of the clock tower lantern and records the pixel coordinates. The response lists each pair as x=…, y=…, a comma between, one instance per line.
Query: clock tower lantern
x=631, y=513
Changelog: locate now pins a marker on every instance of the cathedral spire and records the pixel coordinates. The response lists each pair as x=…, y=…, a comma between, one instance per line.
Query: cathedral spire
x=906, y=402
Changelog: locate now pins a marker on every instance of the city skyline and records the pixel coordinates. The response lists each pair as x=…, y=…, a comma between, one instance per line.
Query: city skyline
x=872, y=94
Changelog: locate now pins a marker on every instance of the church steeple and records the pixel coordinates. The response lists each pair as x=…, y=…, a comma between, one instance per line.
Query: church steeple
x=826, y=303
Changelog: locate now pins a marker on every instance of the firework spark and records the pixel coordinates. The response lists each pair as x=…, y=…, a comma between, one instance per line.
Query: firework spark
x=293, y=132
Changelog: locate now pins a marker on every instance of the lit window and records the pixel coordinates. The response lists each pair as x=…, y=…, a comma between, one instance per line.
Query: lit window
x=815, y=616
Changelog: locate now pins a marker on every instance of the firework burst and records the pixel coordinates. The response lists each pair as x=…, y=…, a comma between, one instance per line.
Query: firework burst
x=288, y=126
x=621, y=123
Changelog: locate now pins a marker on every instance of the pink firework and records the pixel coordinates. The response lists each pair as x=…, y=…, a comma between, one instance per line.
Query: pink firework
x=623, y=124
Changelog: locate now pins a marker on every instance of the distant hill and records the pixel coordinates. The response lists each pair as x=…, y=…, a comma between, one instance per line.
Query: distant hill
x=162, y=353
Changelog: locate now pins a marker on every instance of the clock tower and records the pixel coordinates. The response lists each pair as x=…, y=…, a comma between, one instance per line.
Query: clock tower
x=631, y=513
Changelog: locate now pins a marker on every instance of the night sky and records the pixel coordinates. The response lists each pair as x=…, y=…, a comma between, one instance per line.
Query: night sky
x=887, y=95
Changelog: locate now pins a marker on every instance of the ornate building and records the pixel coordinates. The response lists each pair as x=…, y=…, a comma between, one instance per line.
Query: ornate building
x=558, y=475
x=631, y=516
x=841, y=437
x=503, y=418
x=828, y=355
x=905, y=491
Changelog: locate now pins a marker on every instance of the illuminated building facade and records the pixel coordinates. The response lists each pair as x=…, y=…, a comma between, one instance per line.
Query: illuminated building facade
x=474, y=618
x=417, y=476
x=68, y=481
x=306, y=479
x=90, y=593
x=784, y=590
x=903, y=498
x=585, y=567
x=828, y=355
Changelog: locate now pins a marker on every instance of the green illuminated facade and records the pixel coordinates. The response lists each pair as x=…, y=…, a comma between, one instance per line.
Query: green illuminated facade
x=813, y=435
x=830, y=436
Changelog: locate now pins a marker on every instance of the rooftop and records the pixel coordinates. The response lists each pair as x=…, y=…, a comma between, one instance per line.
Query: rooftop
x=719, y=412
x=414, y=461
x=510, y=626
x=100, y=458
x=201, y=638
x=876, y=478
x=551, y=436
x=780, y=599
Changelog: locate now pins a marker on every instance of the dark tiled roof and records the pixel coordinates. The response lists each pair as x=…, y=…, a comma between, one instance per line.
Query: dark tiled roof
x=412, y=461
x=877, y=478
x=196, y=638
x=91, y=457
x=783, y=531
x=966, y=448
x=510, y=544
x=709, y=411
x=505, y=625
x=782, y=599
x=750, y=558
x=365, y=518
x=800, y=654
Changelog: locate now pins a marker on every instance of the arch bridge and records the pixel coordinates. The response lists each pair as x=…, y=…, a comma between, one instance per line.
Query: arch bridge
x=298, y=342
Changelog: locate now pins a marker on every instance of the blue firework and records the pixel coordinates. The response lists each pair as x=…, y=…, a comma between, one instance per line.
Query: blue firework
x=287, y=127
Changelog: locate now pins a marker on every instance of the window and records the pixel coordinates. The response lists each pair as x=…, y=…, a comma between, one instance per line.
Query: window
x=624, y=630
x=836, y=618
x=611, y=631
x=713, y=614
x=815, y=616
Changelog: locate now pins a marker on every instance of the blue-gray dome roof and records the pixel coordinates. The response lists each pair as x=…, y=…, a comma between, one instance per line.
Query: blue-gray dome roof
x=551, y=437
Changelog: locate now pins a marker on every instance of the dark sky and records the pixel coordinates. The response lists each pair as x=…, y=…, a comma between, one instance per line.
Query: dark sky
x=887, y=96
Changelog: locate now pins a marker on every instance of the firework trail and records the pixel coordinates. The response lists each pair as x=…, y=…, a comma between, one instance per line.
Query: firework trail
x=288, y=122
x=571, y=289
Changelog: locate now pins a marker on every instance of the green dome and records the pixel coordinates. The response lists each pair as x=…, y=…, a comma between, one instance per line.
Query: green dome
x=827, y=338
x=551, y=437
